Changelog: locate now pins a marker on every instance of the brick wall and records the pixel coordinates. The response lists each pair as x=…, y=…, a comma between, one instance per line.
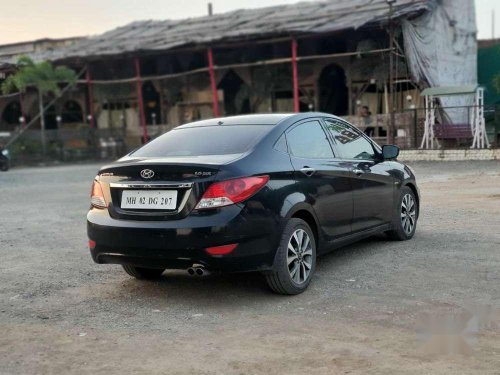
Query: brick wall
x=449, y=155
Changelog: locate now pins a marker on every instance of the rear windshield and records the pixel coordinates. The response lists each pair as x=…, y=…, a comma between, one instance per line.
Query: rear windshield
x=209, y=140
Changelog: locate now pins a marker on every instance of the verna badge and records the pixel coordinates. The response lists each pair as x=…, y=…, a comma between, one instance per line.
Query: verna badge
x=147, y=173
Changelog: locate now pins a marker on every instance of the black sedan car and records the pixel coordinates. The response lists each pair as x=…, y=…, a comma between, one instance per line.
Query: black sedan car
x=264, y=193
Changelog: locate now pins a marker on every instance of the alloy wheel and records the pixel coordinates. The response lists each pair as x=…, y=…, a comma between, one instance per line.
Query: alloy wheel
x=408, y=213
x=299, y=259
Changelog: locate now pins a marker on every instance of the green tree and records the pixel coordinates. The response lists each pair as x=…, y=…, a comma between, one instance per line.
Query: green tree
x=44, y=77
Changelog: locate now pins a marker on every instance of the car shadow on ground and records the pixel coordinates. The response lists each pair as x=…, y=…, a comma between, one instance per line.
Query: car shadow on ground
x=353, y=252
x=229, y=289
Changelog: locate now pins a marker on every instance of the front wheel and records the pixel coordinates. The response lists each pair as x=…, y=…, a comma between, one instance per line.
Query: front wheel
x=295, y=260
x=143, y=273
x=405, y=221
x=4, y=166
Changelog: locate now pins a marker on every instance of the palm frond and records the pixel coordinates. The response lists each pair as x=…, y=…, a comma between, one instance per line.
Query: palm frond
x=43, y=76
x=25, y=61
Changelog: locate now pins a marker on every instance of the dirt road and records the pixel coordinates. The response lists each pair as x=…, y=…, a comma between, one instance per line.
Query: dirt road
x=62, y=314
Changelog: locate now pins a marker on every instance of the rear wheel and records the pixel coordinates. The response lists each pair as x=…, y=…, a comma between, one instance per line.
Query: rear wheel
x=405, y=222
x=143, y=273
x=295, y=260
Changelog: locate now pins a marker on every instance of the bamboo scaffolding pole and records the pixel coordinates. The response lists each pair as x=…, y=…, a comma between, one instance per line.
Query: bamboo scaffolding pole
x=283, y=60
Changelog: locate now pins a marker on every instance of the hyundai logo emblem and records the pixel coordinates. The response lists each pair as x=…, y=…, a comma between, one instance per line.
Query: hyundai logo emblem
x=147, y=173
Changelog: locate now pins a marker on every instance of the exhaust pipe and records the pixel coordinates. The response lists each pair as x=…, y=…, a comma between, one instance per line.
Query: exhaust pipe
x=198, y=270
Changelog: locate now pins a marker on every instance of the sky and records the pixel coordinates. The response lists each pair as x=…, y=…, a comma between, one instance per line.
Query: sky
x=23, y=20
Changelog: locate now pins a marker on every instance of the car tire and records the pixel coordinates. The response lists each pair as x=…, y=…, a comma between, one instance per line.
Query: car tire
x=4, y=167
x=143, y=273
x=290, y=274
x=405, y=221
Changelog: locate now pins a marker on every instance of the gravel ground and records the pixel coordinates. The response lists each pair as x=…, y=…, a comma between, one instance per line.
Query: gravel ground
x=61, y=313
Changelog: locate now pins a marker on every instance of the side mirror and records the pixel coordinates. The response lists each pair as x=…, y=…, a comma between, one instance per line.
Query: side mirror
x=390, y=152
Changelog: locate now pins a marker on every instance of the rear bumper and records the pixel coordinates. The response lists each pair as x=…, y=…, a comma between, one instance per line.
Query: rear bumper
x=182, y=243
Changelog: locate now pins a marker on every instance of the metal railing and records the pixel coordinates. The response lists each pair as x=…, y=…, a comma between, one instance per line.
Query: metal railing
x=65, y=145
x=83, y=143
x=462, y=120
x=410, y=126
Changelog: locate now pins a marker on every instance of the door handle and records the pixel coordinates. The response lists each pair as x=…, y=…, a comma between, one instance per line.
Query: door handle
x=358, y=171
x=308, y=171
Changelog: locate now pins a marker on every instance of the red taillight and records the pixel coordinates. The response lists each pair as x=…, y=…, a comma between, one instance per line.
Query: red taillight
x=221, y=250
x=96, y=196
x=92, y=244
x=232, y=191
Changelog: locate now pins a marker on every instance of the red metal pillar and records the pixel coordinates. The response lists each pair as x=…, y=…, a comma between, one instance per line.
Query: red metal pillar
x=142, y=116
x=295, y=74
x=90, y=95
x=213, y=83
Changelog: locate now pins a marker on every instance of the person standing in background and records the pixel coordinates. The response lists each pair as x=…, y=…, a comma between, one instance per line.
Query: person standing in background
x=366, y=115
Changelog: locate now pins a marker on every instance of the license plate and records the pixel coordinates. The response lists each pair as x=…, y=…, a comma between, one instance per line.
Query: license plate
x=149, y=199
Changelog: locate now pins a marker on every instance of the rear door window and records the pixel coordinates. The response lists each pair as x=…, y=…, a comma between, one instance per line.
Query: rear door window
x=207, y=140
x=308, y=140
x=281, y=145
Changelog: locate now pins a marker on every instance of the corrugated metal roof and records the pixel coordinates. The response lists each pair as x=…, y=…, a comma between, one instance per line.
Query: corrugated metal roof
x=300, y=18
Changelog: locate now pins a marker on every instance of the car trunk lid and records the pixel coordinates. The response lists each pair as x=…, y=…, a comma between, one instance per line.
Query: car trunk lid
x=159, y=188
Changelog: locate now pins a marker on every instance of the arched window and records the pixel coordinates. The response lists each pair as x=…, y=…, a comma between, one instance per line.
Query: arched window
x=11, y=114
x=151, y=99
x=236, y=94
x=51, y=118
x=72, y=112
x=333, y=96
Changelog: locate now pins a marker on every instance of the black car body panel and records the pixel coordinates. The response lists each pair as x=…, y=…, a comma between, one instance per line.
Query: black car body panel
x=340, y=205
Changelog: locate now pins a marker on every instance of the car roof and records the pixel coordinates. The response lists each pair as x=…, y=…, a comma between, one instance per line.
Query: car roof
x=257, y=119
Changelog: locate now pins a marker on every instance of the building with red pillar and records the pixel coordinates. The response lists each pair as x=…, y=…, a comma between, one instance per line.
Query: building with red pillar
x=149, y=76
